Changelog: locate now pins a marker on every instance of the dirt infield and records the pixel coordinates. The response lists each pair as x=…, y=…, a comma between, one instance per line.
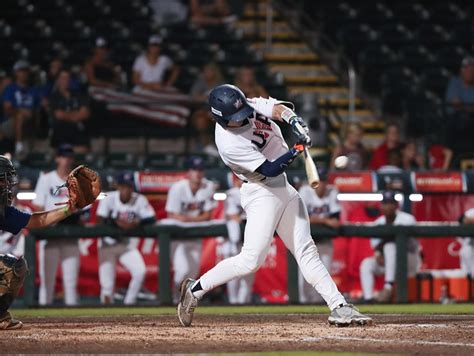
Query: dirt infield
x=239, y=333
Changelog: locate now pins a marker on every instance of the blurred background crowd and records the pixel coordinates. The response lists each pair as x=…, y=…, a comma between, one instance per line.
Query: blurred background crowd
x=122, y=86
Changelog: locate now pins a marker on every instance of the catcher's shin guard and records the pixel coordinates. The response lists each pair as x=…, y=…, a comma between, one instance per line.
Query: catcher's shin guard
x=12, y=275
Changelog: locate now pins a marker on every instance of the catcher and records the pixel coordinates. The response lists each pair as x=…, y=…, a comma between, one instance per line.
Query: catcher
x=84, y=187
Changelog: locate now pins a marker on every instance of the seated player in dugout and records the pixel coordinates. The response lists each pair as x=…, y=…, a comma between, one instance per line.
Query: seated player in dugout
x=13, y=269
x=252, y=145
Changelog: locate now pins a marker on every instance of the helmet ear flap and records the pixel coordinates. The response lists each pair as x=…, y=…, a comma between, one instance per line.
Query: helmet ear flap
x=228, y=103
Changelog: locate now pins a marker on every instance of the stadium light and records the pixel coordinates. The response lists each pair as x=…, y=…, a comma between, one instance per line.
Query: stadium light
x=26, y=195
x=220, y=196
x=416, y=197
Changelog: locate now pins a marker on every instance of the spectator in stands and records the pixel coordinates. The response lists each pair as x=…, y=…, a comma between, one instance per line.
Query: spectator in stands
x=439, y=157
x=411, y=159
x=323, y=208
x=460, y=91
x=69, y=115
x=209, y=78
x=5, y=80
x=55, y=67
x=126, y=210
x=20, y=107
x=352, y=148
x=100, y=70
x=245, y=80
x=466, y=253
x=154, y=70
x=202, y=124
x=190, y=200
x=209, y=12
x=50, y=190
x=392, y=141
x=384, y=260
x=394, y=162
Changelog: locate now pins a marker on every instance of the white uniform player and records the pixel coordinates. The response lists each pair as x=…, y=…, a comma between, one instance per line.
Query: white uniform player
x=323, y=208
x=126, y=209
x=189, y=200
x=54, y=251
x=466, y=253
x=239, y=290
x=252, y=145
x=384, y=260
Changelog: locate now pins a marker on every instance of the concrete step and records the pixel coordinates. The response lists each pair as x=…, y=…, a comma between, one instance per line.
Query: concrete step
x=339, y=102
x=249, y=26
x=282, y=48
x=289, y=57
x=323, y=92
x=308, y=80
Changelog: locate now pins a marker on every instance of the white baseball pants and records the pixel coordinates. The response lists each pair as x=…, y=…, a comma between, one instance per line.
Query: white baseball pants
x=131, y=259
x=466, y=255
x=186, y=260
x=275, y=205
x=369, y=268
x=306, y=293
x=51, y=253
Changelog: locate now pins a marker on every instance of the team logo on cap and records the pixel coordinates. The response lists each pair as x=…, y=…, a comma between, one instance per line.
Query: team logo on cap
x=217, y=112
x=238, y=103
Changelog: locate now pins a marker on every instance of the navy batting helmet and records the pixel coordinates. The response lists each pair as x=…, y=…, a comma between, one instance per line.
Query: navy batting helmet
x=228, y=103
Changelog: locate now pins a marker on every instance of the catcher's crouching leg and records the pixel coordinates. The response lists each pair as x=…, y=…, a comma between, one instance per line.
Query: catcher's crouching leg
x=12, y=275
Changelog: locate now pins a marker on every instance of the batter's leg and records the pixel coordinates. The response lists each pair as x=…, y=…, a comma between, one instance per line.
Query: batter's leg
x=294, y=230
x=107, y=264
x=133, y=261
x=48, y=265
x=70, y=264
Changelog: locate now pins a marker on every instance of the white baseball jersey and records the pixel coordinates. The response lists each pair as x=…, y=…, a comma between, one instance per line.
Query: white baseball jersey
x=47, y=193
x=181, y=199
x=232, y=203
x=323, y=207
x=245, y=148
x=401, y=218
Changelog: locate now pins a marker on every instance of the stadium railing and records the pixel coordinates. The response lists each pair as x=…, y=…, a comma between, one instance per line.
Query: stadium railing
x=165, y=233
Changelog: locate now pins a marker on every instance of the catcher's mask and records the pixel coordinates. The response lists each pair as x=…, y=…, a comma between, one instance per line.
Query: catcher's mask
x=8, y=181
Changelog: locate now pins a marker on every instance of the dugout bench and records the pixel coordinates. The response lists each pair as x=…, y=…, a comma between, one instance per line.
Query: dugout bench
x=165, y=233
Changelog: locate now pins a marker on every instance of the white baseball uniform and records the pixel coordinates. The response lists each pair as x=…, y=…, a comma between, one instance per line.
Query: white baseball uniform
x=369, y=267
x=181, y=200
x=239, y=290
x=125, y=250
x=466, y=253
x=323, y=207
x=270, y=204
x=58, y=250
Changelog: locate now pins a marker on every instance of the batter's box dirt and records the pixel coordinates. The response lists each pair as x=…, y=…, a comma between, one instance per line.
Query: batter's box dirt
x=433, y=335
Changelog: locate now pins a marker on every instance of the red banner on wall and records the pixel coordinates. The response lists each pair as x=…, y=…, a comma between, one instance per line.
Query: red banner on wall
x=354, y=182
x=156, y=182
x=449, y=182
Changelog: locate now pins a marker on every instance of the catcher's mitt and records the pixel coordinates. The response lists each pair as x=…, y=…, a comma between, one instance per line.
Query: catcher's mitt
x=83, y=185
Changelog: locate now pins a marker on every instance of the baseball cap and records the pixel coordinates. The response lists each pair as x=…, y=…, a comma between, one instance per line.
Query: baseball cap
x=467, y=61
x=195, y=163
x=126, y=178
x=100, y=42
x=155, y=40
x=388, y=196
x=21, y=64
x=65, y=150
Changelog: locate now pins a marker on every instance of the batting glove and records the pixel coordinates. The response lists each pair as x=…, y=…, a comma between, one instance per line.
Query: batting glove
x=300, y=130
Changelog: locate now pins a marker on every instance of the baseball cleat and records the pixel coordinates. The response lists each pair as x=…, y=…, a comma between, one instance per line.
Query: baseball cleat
x=188, y=302
x=8, y=323
x=346, y=315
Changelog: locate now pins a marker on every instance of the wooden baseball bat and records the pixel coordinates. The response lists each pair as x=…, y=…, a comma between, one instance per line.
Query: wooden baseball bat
x=311, y=170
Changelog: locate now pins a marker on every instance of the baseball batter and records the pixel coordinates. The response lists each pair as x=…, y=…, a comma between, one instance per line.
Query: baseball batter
x=49, y=192
x=384, y=260
x=189, y=200
x=239, y=290
x=13, y=269
x=127, y=210
x=323, y=208
x=252, y=145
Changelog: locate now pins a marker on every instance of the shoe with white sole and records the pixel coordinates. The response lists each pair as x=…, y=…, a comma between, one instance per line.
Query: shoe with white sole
x=187, y=303
x=8, y=323
x=346, y=315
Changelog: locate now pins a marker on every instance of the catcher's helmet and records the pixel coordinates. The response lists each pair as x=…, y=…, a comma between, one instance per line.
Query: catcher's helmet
x=8, y=179
x=228, y=103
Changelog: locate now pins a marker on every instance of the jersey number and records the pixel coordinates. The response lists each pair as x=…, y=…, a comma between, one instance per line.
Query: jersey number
x=262, y=136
